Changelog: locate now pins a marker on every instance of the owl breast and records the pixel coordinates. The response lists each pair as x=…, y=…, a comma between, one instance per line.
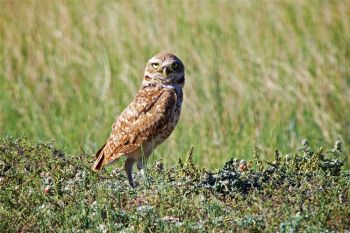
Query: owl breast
x=173, y=119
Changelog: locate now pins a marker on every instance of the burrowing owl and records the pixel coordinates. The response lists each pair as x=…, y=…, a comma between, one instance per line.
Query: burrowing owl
x=150, y=118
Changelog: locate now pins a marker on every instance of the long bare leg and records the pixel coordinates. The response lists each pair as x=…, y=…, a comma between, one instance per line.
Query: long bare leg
x=140, y=167
x=129, y=163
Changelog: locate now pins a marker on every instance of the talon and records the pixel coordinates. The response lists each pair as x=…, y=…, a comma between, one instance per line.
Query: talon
x=134, y=184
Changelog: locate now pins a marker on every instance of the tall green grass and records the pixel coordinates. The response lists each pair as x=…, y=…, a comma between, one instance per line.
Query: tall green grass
x=262, y=73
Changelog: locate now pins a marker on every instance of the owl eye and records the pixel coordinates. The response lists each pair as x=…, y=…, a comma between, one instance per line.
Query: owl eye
x=175, y=65
x=155, y=65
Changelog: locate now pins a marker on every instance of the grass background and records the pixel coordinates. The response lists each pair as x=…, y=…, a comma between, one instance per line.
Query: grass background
x=265, y=73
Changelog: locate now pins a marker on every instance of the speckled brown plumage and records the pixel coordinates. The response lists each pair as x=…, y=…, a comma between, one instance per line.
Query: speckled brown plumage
x=150, y=118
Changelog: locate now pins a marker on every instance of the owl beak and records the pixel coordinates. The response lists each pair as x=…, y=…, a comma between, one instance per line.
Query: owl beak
x=165, y=71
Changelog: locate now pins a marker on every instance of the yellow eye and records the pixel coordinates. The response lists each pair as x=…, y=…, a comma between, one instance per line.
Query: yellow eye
x=175, y=65
x=155, y=65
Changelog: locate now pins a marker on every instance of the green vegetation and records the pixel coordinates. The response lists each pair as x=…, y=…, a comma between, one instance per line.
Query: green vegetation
x=259, y=75
x=262, y=73
x=44, y=190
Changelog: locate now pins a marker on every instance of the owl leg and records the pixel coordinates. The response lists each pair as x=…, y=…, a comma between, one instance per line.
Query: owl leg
x=129, y=163
x=140, y=167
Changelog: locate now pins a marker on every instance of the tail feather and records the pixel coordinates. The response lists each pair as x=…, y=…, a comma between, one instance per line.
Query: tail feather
x=99, y=151
x=100, y=160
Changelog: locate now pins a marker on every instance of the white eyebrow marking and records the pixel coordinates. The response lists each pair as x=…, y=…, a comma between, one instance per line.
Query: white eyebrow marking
x=167, y=62
x=154, y=60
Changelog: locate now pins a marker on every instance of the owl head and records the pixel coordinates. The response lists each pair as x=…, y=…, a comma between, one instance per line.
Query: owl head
x=164, y=69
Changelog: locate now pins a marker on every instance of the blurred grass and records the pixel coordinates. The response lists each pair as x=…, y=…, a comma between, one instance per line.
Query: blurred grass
x=262, y=73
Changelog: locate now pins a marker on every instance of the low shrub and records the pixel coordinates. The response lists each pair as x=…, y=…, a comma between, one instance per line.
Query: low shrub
x=44, y=189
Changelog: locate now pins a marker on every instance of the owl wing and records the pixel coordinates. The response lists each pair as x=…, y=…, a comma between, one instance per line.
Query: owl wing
x=144, y=118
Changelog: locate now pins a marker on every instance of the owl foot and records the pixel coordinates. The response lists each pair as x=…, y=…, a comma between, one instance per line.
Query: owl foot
x=142, y=173
x=134, y=184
